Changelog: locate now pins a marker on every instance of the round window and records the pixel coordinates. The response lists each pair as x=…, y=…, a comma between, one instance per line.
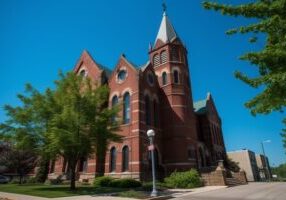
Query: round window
x=122, y=75
x=83, y=73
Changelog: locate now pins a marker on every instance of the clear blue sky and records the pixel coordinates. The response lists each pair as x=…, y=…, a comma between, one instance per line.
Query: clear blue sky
x=38, y=38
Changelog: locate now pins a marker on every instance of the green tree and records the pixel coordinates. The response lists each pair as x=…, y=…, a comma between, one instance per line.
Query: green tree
x=231, y=165
x=27, y=125
x=270, y=61
x=83, y=122
x=21, y=161
x=284, y=136
x=280, y=171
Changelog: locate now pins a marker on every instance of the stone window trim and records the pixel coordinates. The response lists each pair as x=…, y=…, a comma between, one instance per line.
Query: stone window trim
x=83, y=72
x=111, y=96
x=123, y=68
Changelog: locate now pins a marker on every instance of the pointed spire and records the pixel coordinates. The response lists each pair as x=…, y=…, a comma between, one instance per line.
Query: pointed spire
x=166, y=32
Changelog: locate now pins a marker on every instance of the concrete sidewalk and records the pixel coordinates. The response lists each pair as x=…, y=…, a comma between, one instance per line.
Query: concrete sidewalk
x=12, y=196
x=185, y=192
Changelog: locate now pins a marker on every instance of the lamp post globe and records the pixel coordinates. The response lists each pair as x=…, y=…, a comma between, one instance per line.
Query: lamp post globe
x=150, y=133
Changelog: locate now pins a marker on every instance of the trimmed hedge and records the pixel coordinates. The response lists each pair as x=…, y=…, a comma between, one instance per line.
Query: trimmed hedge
x=148, y=186
x=103, y=181
x=188, y=179
x=106, y=181
x=125, y=183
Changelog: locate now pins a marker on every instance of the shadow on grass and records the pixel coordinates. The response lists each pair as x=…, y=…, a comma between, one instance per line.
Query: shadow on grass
x=80, y=190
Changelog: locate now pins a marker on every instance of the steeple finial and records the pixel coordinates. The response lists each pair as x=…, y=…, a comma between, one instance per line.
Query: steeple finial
x=164, y=7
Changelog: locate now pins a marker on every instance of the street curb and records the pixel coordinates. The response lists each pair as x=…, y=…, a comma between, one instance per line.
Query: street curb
x=161, y=197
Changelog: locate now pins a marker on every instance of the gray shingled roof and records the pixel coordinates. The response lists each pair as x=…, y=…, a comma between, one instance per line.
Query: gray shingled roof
x=108, y=71
x=166, y=32
x=200, y=106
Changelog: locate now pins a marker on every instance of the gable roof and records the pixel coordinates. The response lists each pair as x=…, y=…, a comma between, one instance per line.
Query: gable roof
x=206, y=105
x=85, y=56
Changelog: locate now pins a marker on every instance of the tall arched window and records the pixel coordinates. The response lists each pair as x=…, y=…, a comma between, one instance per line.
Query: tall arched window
x=156, y=60
x=147, y=110
x=176, y=76
x=112, y=165
x=163, y=56
x=156, y=113
x=114, y=102
x=125, y=158
x=126, y=108
x=164, y=78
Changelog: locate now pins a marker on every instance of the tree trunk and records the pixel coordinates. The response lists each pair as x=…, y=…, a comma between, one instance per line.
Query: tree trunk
x=43, y=170
x=100, y=159
x=100, y=165
x=72, y=175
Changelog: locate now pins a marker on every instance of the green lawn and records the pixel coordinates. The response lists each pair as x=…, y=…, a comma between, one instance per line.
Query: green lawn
x=52, y=191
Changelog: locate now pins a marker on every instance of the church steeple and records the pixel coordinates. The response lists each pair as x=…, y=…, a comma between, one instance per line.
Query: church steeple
x=166, y=32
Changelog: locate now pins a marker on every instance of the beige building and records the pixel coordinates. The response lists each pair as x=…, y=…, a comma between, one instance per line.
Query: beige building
x=263, y=166
x=247, y=161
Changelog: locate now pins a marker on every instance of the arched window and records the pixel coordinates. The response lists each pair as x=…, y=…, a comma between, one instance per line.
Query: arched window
x=114, y=102
x=147, y=110
x=126, y=108
x=163, y=57
x=174, y=54
x=156, y=60
x=164, y=78
x=176, y=76
x=125, y=158
x=112, y=166
x=156, y=113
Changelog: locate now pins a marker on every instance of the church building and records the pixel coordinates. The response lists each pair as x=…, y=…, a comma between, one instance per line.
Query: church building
x=158, y=96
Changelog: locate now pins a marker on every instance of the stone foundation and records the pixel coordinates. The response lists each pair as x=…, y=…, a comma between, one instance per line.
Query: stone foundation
x=241, y=176
x=214, y=178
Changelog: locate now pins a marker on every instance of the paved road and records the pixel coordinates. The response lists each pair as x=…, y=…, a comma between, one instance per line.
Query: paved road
x=252, y=191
